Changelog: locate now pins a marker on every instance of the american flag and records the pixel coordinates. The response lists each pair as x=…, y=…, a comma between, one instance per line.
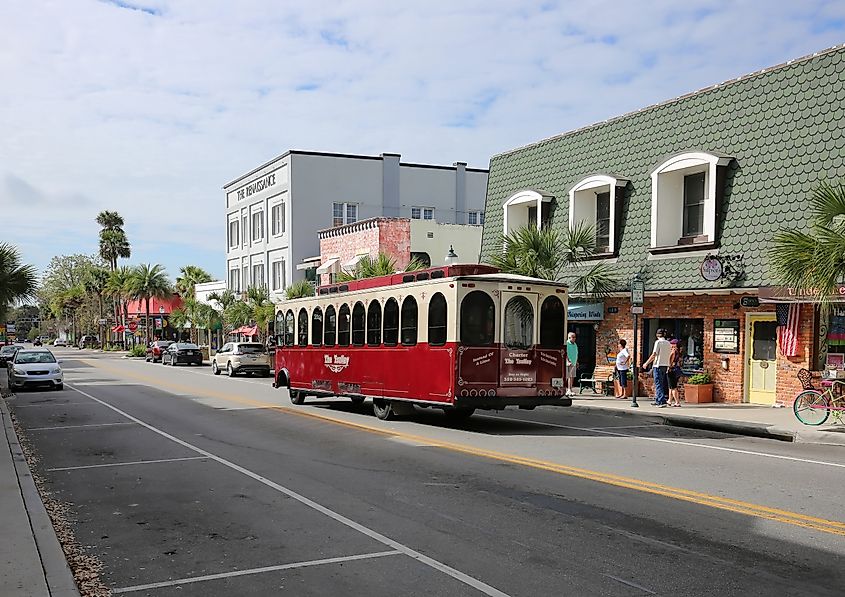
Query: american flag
x=787, y=315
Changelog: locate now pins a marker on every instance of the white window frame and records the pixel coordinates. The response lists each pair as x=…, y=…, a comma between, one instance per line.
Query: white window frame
x=585, y=191
x=345, y=219
x=277, y=219
x=234, y=239
x=244, y=229
x=519, y=201
x=420, y=212
x=258, y=275
x=257, y=231
x=278, y=275
x=479, y=218
x=235, y=285
x=667, y=204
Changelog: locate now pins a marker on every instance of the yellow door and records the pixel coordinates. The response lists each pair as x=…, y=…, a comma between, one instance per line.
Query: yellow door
x=761, y=358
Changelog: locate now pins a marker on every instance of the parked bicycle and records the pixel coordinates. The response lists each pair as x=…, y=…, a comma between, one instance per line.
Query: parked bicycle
x=813, y=406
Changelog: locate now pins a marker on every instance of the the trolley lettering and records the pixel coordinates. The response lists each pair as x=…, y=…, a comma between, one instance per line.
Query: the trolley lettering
x=336, y=363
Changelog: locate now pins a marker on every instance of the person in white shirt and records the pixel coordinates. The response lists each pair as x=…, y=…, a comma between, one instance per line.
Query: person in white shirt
x=622, y=365
x=660, y=358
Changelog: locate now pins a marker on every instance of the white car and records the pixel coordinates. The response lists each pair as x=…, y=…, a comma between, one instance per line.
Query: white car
x=59, y=342
x=35, y=367
x=241, y=357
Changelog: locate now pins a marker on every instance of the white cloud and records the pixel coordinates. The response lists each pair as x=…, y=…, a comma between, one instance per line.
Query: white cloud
x=148, y=107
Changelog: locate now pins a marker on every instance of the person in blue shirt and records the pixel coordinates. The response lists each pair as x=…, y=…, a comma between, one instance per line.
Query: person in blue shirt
x=571, y=362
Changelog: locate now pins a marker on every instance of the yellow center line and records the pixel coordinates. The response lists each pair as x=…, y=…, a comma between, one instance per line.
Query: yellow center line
x=704, y=499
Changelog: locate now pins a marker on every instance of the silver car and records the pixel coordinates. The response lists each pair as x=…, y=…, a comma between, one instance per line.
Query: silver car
x=35, y=367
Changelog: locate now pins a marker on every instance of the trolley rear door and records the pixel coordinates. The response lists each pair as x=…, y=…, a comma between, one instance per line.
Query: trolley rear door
x=518, y=333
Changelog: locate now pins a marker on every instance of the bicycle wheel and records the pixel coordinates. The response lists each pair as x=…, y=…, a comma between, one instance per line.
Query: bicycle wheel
x=811, y=407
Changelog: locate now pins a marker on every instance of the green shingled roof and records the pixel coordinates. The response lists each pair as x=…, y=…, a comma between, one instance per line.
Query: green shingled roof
x=785, y=127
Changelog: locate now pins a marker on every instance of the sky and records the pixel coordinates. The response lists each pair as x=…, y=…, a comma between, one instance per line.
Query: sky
x=148, y=107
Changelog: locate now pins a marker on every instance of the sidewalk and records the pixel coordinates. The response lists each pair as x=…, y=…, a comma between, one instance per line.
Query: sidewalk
x=740, y=419
x=31, y=560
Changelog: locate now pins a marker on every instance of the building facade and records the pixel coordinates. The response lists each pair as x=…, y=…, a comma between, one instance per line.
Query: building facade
x=687, y=195
x=273, y=213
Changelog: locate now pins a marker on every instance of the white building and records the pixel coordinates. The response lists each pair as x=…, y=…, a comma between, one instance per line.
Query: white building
x=273, y=212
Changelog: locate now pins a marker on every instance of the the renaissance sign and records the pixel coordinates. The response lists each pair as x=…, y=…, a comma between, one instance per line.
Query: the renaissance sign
x=257, y=186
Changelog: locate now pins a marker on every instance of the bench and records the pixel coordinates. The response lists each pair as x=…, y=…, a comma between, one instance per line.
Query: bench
x=588, y=382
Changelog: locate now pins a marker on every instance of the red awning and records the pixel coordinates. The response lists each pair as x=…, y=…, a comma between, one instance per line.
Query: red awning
x=118, y=328
x=247, y=330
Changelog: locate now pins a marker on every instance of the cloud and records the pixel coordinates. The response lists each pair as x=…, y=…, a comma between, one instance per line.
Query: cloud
x=149, y=106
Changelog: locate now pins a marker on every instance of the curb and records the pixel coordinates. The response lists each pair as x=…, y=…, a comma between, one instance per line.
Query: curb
x=57, y=573
x=761, y=430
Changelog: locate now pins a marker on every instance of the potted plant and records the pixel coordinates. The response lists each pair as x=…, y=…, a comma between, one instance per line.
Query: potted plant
x=698, y=388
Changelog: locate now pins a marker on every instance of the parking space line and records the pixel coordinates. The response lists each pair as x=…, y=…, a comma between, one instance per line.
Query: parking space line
x=184, y=581
x=77, y=468
x=79, y=426
x=375, y=535
x=16, y=406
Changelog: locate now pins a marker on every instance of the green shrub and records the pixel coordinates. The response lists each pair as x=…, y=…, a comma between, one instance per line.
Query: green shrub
x=139, y=350
x=700, y=378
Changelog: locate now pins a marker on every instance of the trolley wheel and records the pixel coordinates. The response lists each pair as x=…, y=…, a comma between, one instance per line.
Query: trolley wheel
x=383, y=409
x=459, y=413
x=811, y=407
x=214, y=368
x=297, y=396
x=357, y=400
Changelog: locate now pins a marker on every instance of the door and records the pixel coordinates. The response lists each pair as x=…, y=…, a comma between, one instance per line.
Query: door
x=585, y=338
x=761, y=358
x=517, y=366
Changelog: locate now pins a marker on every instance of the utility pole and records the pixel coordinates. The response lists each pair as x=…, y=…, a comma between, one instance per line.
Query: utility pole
x=637, y=299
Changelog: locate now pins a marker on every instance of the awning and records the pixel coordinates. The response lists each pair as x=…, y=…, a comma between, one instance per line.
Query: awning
x=352, y=263
x=118, y=328
x=783, y=294
x=247, y=330
x=328, y=266
x=308, y=263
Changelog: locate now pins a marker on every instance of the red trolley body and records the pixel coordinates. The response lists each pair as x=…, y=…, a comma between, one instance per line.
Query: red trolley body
x=456, y=337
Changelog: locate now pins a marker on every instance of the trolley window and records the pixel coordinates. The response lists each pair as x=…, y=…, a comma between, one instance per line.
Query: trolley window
x=343, y=326
x=374, y=324
x=552, y=323
x=331, y=326
x=519, y=323
x=437, y=320
x=358, y=317
x=290, y=329
x=317, y=327
x=303, y=327
x=478, y=319
x=391, y=322
x=279, y=328
x=409, y=321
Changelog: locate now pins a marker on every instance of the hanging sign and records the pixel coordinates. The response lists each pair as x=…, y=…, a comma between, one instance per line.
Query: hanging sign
x=711, y=268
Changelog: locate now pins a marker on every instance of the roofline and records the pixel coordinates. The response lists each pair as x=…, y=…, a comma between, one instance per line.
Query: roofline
x=353, y=156
x=700, y=91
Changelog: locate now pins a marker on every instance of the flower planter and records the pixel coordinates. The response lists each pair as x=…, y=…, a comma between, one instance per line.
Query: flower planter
x=698, y=393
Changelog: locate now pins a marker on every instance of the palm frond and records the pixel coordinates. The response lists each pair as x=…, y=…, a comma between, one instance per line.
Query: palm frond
x=300, y=289
x=828, y=204
x=597, y=282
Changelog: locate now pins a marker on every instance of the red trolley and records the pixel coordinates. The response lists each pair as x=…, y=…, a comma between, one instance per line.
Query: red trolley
x=456, y=337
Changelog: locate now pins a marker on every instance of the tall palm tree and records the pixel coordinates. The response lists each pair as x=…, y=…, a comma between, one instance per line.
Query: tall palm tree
x=110, y=220
x=814, y=261
x=146, y=283
x=113, y=241
x=17, y=280
x=191, y=275
x=118, y=287
x=225, y=298
x=95, y=280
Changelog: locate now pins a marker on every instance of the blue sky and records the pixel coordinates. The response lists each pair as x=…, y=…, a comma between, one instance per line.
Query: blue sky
x=148, y=107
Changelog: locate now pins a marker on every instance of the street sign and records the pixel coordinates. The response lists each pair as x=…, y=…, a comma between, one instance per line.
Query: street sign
x=133, y=325
x=637, y=292
x=637, y=309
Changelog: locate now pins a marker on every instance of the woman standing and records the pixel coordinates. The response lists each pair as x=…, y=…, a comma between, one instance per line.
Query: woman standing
x=673, y=375
x=622, y=364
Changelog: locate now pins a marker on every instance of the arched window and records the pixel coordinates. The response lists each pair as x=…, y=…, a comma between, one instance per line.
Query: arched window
x=343, y=326
x=317, y=327
x=409, y=321
x=279, y=328
x=437, y=320
x=552, y=323
x=478, y=319
x=374, y=323
x=519, y=323
x=331, y=326
x=303, y=327
x=358, y=316
x=290, y=328
x=391, y=322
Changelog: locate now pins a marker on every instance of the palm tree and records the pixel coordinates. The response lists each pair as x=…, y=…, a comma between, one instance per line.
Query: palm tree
x=95, y=281
x=813, y=262
x=373, y=267
x=148, y=282
x=263, y=309
x=118, y=287
x=17, y=280
x=114, y=244
x=110, y=220
x=225, y=298
x=300, y=289
x=191, y=275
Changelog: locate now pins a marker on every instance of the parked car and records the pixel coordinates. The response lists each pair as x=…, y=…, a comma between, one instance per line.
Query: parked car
x=36, y=342
x=59, y=342
x=155, y=350
x=241, y=357
x=7, y=353
x=88, y=342
x=35, y=367
x=182, y=352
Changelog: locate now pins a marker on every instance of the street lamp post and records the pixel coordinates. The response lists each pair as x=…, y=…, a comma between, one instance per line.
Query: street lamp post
x=451, y=256
x=637, y=299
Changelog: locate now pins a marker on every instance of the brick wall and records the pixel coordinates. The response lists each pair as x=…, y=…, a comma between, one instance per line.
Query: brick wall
x=388, y=235
x=728, y=384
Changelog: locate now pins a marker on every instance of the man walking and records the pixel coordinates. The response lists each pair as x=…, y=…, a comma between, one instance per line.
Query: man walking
x=660, y=358
x=571, y=362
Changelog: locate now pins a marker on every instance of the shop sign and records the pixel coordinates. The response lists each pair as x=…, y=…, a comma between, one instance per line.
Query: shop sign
x=585, y=311
x=711, y=268
x=784, y=294
x=749, y=301
x=726, y=336
x=259, y=185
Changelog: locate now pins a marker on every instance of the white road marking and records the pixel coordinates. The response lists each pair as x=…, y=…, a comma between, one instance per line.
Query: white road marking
x=77, y=468
x=375, y=535
x=78, y=426
x=184, y=581
x=206, y=372
x=630, y=584
x=16, y=406
x=671, y=441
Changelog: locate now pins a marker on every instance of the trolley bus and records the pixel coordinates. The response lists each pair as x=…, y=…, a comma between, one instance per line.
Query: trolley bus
x=457, y=337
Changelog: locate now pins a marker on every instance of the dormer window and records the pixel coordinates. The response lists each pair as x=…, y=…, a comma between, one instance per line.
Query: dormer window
x=686, y=194
x=594, y=201
x=527, y=208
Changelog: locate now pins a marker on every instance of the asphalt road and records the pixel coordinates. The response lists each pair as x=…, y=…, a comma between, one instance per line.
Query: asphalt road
x=182, y=483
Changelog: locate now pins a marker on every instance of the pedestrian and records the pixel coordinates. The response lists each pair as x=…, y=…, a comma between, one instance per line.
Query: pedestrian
x=571, y=362
x=622, y=365
x=673, y=374
x=660, y=359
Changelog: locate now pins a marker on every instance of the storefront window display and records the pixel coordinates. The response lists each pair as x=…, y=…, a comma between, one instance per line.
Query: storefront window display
x=836, y=336
x=690, y=336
